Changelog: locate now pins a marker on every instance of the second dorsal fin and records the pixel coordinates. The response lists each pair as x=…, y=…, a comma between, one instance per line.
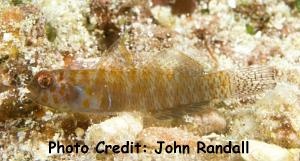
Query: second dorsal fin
x=176, y=60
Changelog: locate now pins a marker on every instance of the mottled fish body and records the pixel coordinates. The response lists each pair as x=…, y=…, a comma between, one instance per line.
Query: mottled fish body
x=170, y=80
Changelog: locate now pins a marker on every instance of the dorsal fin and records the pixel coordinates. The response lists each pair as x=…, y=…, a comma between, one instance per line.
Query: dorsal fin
x=176, y=60
x=117, y=55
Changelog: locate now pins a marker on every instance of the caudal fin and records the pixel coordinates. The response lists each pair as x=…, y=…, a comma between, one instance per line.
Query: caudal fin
x=253, y=80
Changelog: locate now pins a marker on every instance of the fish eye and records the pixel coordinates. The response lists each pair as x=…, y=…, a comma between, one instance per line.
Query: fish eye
x=44, y=79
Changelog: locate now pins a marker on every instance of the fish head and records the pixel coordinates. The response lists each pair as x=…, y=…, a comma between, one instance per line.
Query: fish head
x=49, y=88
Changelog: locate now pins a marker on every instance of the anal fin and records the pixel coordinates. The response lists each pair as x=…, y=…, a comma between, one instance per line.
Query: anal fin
x=175, y=115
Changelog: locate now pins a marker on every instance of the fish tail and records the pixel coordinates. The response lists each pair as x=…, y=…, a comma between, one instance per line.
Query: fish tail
x=253, y=80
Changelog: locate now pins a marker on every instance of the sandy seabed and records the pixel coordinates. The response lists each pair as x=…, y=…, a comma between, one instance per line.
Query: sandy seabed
x=40, y=35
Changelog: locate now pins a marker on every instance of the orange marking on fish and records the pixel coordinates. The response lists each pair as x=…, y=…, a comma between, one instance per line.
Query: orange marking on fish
x=73, y=76
x=44, y=98
x=100, y=77
x=62, y=89
x=115, y=87
x=132, y=75
x=84, y=75
x=89, y=91
x=86, y=103
x=56, y=99
x=60, y=76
